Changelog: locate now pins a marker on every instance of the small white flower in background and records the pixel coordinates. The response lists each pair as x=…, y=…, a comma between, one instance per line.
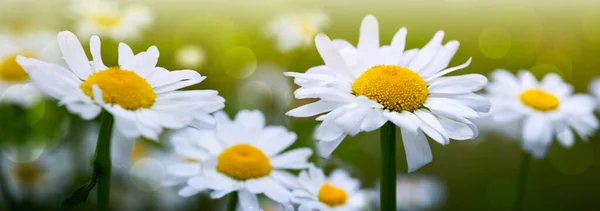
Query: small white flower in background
x=142, y=97
x=48, y=175
x=595, y=89
x=544, y=110
x=39, y=45
x=361, y=88
x=267, y=89
x=416, y=192
x=109, y=18
x=337, y=192
x=240, y=155
x=190, y=56
x=296, y=30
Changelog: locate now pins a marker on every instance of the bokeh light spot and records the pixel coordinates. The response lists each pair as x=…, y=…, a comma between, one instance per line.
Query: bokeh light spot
x=147, y=174
x=239, y=62
x=573, y=161
x=494, y=42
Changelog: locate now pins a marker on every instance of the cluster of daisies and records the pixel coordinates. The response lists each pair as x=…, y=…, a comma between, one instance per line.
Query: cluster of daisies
x=358, y=89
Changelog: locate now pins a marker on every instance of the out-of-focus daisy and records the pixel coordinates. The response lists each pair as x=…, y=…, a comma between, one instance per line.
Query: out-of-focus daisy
x=595, y=89
x=108, y=18
x=45, y=176
x=417, y=192
x=37, y=45
x=296, y=30
x=190, y=56
x=142, y=98
x=242, y=155
x=361, y=88
x=338, y=192
x=267, y=89
x=545, y=109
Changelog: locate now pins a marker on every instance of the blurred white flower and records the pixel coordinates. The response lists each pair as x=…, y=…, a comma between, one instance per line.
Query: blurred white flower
x=267, y=89
x=142, y=98
x=296, y=30
x=190, y=56
x=361, y=88
x=48, y=175
x=544, y=110
x=595, y=89
x=241, y=155
x=39, y=45
x=337, y=192
x=415, y=192
x=109, y=18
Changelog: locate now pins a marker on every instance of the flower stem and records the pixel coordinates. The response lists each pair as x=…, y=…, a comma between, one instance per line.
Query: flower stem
x=233, y=198
x=522, y=181
x=388, y=167
x=102, y=163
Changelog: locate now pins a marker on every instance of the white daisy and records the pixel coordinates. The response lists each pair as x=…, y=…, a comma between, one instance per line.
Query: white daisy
x=108, y=18
x=595, y=89
x=48, y=175
x=242, y=155
x=296, y=30
x=543, y=109
x=141, y=97
x=32, y=45
x=361, y=88
x=338, y=192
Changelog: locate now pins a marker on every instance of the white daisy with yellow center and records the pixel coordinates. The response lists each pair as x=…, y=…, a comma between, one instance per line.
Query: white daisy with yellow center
x=338, y=192
x=13, y=78
x=142, y=97
x=296, y=30
x=544, y=110
x=108, y=18
x=49, y=174
x=242, y=155
x=361, y=88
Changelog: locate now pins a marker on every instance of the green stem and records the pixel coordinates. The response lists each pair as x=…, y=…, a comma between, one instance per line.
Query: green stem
x=388, y=167
x=522, y=181
x=233, y=198
x=102, y=163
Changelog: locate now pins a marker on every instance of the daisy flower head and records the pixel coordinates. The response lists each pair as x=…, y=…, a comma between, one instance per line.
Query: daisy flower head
x=296, y=30
x=13, y=77
x=361, y=88
x=240, y=155
x=142, y=97
x=109, y=18
x=337, y=192
x=545, y=109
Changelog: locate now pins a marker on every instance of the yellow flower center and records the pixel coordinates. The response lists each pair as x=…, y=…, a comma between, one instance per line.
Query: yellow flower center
x=10, y=70
x=539, y=100
x=106, y=20
x=139, y=151
x=396, y=88
x=28, y=173
x=243, y=162
x=121, y=87
x=332, y=195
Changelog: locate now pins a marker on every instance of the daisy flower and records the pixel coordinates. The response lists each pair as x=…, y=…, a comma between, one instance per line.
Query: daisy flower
x=595, y=88
x=296, y=30
x=33, y=45
x=544, y=110
x=108, y=18
x=141, y=96
x=361, y=88
x=240, y=155
x=338, y=192
x=37, y=179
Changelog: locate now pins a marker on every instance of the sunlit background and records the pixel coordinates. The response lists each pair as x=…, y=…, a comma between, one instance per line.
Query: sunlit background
x=240, y=47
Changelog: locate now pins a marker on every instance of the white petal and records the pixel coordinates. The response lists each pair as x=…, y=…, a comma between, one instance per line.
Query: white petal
x=96, y=53
x=330, y=55
x=427, y=53
x=417, y=149
x=293, y=159
x=458, y=84
x=126, y=57
x=74, y=54
x=373, y=120
x=432, y=127
x=398, y=45
x=528, y=80
x=248, y=201
x=251, y=119
x=369, y=35
x=537, y=135
x=312, y=109
x=448, y=70
x=326, y=147
x=405, y=119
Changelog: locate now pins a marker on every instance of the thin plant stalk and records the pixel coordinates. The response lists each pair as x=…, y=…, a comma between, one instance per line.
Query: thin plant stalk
x=102, y=162
x=522, y=181
x=388, y=167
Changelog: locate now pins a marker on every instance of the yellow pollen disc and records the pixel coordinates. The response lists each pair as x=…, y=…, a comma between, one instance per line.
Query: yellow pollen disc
x=396, y=88
x=27, y=173
x=243, y=162
x=121, y=87
x=139, y=151
x=539, y=100
x=10, y=70
x=106, y=20
x=332, y=195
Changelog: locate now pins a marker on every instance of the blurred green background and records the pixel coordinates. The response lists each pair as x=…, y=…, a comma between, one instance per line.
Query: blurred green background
x=244, y=65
